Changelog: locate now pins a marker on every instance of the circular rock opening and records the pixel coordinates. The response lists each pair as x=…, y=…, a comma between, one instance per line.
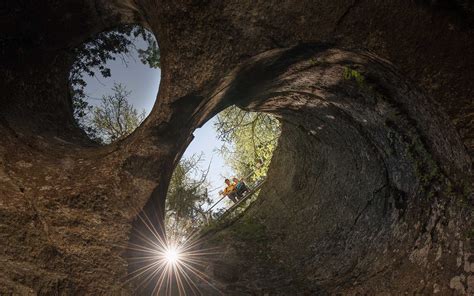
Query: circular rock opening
x=356, y=183
x=217, y=179
x=389, y=212
x=362, y=162
x=114, y=82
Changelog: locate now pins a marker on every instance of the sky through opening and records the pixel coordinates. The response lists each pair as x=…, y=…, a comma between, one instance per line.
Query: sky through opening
x=143, y=82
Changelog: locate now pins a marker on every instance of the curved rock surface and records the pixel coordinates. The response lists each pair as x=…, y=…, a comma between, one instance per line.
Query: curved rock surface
x=358, y=198
x=370, y=189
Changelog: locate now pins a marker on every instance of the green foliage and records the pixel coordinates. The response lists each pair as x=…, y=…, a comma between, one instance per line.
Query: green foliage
x=150, y=55
x=251, y=138
x=351, y=74
x=93, y=55
x=186, y=198
x=115, y=118
x=314, y=62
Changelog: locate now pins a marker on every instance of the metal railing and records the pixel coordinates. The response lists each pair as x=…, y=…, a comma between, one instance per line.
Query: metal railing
x=247, y=195
x=208, y=214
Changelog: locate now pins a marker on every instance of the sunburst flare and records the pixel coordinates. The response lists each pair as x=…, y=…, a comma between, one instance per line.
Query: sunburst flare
x=170, y=266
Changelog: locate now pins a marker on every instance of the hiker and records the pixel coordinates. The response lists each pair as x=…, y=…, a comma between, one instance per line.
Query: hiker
x=230, y=191
x=240, y=188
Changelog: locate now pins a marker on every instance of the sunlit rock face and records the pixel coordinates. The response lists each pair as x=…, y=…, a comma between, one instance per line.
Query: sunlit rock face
x=369, y=188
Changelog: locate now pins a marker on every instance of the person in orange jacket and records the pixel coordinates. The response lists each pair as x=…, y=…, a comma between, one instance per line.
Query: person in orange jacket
x=230, y=191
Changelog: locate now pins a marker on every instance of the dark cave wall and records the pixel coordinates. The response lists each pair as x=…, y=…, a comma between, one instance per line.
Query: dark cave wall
x=365, y=192
x=431, y=40
x=67, y=207
x=343, y=233
x=36, y=44
x=422, y=39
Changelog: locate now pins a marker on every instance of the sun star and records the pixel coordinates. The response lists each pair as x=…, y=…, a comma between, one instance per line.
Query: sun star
x=172, y=255
x=169, y=265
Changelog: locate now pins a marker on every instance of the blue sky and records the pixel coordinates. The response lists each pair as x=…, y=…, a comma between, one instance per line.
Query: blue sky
x=138, y=78
x=144, y=82
x=206, y=141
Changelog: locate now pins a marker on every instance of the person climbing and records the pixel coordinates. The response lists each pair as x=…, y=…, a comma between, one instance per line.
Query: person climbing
x=230, y=191
x=240, y=187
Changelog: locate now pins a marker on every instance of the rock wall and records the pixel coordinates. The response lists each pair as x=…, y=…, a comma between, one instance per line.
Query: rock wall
x=362, y=196
x=67, y=207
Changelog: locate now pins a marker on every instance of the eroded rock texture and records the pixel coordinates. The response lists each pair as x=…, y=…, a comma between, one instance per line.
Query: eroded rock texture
x=358, y=198
x=369, y=191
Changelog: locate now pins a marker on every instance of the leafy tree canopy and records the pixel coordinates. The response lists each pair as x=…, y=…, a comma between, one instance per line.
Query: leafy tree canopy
x=115, y=117
x=187, y=197
x=251, y=138
x=93, y=55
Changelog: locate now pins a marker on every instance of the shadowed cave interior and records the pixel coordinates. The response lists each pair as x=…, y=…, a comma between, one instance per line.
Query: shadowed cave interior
x=369, y=189
x=351, y=171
